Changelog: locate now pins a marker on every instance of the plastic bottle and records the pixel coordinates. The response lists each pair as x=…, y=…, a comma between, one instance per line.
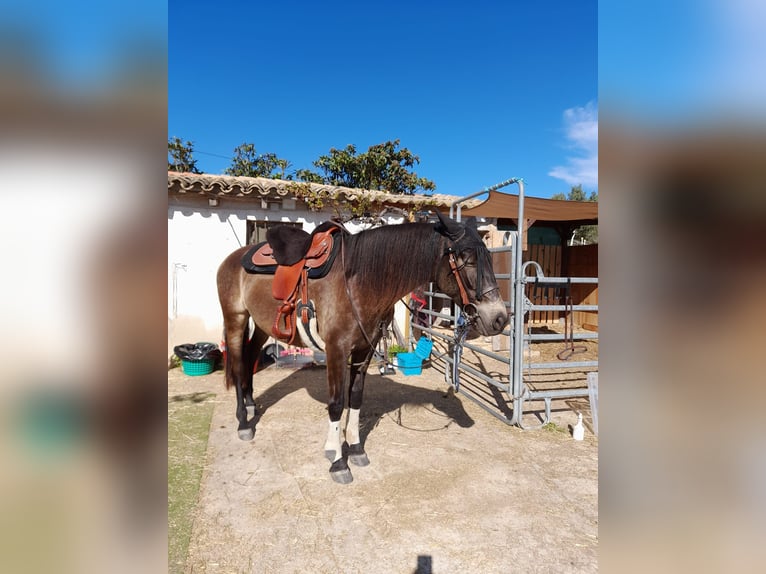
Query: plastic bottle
x=578, y=432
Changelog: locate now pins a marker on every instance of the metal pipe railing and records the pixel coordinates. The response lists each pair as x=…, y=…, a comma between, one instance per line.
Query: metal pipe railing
x=559, y=336
x=542, y=280
x=534, y=307
x=561, y=365
x=519, y=365
x=518, y=307
x=495, y=187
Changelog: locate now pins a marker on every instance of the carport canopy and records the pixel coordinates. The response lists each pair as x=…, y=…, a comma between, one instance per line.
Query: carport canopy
x=537, y=211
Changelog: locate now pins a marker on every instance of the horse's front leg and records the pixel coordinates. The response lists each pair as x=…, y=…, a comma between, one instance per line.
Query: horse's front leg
x=336, y=368
x=360, y=360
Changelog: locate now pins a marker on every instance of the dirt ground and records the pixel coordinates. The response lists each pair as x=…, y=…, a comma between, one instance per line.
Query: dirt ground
x=449, y=489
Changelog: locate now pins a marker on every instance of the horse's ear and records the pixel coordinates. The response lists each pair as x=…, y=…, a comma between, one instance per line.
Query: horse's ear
x=446, y=226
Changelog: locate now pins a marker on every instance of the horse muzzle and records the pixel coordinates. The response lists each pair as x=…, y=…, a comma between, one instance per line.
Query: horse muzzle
x=487, y=318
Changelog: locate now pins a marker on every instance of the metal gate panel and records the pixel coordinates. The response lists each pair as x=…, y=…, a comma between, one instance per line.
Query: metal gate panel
x=506, y=392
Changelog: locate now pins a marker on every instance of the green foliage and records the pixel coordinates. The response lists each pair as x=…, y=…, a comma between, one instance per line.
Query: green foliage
x=249, y=163
x=588, y=232
x=554, y=428
x=188, y=431
x=361, y=205
x=384, y=167
x=180, y=156
x=308, y=176
x=394, y=349
x=316, y=198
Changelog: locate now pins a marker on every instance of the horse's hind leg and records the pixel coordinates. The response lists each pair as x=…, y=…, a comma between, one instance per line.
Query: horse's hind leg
x=251, y=352
x=237, y=367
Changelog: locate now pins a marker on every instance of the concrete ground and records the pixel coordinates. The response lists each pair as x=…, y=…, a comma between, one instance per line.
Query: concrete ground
x=449, y=489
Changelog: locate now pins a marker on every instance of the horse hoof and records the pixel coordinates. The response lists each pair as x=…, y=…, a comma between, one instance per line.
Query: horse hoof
x=357, y=456
x=340, y=472
x=329, y=455
x=359, y=459
x=246, y=434
x=342, y=476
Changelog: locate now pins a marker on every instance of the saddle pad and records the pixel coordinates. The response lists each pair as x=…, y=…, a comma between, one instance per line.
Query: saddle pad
x=260, y=252
x=259, y=259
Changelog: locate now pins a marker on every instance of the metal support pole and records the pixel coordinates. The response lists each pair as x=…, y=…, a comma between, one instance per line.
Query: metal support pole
x=518, y=311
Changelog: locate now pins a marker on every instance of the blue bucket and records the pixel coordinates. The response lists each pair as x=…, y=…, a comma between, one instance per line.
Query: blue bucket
x=409, y=364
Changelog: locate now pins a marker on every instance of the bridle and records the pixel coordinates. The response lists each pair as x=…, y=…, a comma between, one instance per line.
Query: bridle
x=451, y=252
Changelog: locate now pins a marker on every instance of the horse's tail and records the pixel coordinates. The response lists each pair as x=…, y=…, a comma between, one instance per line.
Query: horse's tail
x=246, y=354
x=227, y=373
x=228, y=281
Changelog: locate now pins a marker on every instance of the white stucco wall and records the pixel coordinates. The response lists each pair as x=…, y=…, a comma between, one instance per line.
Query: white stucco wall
x=199, y=238
x=197, y=243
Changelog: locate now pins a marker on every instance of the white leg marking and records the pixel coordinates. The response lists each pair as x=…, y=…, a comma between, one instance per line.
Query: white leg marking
x=352, y=427
x=333, y=440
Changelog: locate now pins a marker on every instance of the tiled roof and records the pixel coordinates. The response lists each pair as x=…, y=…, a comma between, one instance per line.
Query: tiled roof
x=243, y=187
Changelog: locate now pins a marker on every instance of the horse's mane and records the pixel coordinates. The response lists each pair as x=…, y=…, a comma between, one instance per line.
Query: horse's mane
x=392, y=259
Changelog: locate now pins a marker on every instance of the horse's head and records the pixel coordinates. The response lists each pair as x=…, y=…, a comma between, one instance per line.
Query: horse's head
x=465, y=274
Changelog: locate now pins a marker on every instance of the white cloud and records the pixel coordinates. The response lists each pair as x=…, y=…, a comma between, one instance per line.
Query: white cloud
x=581, y=132
x=739, y=41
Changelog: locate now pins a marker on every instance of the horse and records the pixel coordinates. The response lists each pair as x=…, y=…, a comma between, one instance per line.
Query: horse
x=374, y=270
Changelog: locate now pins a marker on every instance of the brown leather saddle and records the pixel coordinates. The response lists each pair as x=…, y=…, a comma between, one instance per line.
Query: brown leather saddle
x=293, y=257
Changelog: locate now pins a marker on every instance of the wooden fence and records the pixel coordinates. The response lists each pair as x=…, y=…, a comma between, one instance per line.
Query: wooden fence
x=583, y=262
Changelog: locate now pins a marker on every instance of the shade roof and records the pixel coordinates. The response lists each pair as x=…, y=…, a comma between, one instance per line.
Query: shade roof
x=550, y=212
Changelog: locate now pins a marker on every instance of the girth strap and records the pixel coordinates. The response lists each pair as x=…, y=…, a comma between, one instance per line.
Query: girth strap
x=284, y=323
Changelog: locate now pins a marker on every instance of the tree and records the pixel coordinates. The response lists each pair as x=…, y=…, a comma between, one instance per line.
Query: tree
x=180, y=156
x=384, y=167
x=308, y=176
x=576, y=194
x=587, y=232
x=248, y=162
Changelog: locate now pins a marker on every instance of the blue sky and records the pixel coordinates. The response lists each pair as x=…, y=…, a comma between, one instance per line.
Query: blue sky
x=669, y=64
x=481, y=91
